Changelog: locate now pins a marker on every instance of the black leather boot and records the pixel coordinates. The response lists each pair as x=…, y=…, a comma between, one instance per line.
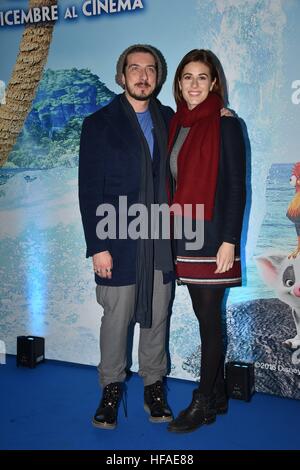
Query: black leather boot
x=155, y=403
x=220, y=393
x=107, y=411
x=200, y=411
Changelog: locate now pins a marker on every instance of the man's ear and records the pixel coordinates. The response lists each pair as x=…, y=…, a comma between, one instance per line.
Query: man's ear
x=123, y=80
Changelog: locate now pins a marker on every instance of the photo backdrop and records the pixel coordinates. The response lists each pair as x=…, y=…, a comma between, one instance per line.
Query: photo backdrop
x=52, y=76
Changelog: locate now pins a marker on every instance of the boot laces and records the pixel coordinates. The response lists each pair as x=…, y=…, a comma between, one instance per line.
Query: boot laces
x=157, y=393
x=111, y=395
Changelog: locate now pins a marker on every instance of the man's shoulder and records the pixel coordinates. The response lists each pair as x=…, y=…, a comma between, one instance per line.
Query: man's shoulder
x=167, y=110
x=106, y=110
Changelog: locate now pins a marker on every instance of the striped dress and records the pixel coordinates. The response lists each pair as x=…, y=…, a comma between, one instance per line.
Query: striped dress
x=198, y=266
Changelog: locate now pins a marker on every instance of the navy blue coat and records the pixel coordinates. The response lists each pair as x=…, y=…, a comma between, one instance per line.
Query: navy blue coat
x=109, y=167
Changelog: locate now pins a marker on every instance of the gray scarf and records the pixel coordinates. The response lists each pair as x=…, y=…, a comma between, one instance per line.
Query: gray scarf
x=150, y=253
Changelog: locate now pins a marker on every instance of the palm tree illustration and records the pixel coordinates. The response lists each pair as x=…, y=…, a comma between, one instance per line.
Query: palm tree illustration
x=25, y=79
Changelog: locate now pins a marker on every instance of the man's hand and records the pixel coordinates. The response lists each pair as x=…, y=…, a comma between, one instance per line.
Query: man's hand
x=103, y=264
x=225, y=257
x=226, y=112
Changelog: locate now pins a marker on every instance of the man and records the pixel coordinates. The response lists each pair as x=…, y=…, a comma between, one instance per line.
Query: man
x=123, y=152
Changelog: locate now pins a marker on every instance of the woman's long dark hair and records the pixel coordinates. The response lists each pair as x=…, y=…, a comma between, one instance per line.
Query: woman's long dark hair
x=212, y=62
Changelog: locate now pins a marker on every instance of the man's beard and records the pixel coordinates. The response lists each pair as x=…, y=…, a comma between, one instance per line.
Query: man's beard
x=142, y=97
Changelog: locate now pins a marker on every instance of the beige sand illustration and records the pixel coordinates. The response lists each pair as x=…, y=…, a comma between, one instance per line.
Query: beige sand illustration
x=25, y=79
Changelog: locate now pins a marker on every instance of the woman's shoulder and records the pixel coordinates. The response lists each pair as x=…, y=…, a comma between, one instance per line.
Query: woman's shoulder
x=230, y=125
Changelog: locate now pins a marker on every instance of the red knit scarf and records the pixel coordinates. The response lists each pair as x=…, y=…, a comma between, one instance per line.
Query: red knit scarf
x=198, y=159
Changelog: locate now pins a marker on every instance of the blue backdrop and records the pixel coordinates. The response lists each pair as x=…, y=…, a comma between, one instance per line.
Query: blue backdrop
x=47, y=285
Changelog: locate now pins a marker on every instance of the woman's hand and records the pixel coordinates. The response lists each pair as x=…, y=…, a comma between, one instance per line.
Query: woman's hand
x=225, y=257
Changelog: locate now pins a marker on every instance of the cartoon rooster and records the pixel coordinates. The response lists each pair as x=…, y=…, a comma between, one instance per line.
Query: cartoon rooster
x=293, y=212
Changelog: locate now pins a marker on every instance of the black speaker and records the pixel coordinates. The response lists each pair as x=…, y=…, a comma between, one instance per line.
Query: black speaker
x=30, y=350
x=239, y=380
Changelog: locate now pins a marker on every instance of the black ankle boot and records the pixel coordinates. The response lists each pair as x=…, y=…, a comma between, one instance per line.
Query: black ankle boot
x=155, y=403
x=107, y=411
x=221, y=403
x=200, y=411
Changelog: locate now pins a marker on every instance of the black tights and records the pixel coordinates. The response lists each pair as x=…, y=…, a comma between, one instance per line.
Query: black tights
x=207, y=304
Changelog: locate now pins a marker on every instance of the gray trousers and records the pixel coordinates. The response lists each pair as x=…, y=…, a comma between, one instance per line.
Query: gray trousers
x=118, y=306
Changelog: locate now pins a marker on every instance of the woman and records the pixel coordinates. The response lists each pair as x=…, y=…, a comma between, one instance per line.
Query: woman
x=207, y=162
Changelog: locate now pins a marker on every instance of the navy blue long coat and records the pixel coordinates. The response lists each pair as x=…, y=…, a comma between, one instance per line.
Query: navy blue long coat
x=109, y=167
